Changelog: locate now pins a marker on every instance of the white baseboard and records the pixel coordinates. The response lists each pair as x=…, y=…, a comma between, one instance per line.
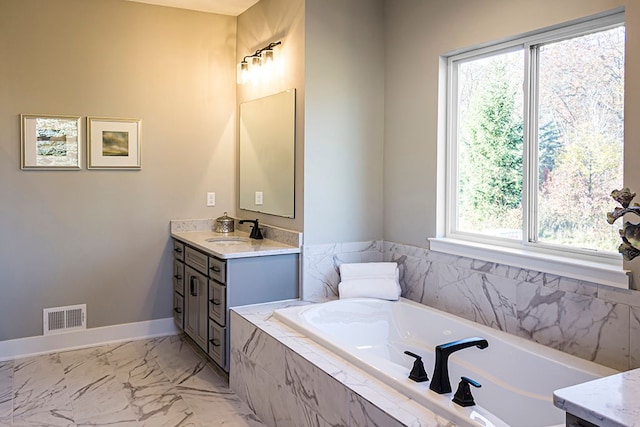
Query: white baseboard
x=33, y=346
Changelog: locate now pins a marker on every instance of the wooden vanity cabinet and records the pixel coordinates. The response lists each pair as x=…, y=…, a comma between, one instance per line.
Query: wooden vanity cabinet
x=213, y=285
x=178, y=283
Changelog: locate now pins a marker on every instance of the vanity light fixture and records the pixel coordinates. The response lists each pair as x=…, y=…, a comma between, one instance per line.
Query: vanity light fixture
x=250, y=66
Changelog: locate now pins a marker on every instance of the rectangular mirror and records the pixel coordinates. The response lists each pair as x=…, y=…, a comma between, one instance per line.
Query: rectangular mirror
x=267, y=154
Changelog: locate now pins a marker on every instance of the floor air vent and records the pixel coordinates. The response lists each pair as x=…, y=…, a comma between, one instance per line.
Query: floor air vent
x=64, y=319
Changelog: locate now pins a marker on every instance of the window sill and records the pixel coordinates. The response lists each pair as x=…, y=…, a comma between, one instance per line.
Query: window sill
x=595, y=272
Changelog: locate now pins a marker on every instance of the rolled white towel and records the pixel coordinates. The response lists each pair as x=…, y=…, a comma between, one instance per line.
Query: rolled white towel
x=369, y=270
x=388, y=289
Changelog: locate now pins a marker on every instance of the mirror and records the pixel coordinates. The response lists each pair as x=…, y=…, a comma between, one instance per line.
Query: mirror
x=267, y=154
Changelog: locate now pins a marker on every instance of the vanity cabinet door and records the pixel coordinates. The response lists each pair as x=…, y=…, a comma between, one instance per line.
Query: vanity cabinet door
x=178, y=250
x=217, y=343
x=217, y=302
x=178, y=277
x=195, y=301
x=178, y=309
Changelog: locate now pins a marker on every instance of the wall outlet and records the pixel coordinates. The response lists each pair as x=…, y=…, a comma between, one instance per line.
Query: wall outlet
x=211, y=199
x=258, y=197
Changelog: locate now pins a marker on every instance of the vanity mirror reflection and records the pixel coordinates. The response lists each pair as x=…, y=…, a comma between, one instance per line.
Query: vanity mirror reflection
x=267, y=154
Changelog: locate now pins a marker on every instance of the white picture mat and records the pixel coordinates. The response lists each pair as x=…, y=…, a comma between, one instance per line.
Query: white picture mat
x=96, y=128
x=30, y=156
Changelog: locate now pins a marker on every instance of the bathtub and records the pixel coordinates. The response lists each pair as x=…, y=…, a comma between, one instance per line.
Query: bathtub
x=518, y=377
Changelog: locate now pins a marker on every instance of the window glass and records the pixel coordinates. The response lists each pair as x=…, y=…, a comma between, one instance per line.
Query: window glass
x=490, y=135
x=580, y=138
x=536, y=141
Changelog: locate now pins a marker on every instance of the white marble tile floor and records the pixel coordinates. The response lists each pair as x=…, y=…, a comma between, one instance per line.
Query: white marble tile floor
x=156, y=382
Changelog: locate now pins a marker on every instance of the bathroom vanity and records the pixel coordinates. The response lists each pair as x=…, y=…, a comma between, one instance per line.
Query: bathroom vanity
x=213, y=272
x=606, y=402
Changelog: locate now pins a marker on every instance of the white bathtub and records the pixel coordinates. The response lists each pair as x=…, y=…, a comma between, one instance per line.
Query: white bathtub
x=518, y=377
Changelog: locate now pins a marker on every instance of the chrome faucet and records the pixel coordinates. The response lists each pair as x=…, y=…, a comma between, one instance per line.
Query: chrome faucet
x=255, y=230
x=440, y=380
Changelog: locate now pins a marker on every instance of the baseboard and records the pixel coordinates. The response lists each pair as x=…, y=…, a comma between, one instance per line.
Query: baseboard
x=33, y=346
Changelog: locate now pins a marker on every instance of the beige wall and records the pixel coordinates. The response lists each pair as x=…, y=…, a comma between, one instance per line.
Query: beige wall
x=418, y=32
x=101, y=237
x=265, y=22
x=344, y=120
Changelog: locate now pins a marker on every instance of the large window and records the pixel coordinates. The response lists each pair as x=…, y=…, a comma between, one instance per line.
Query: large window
x=535, y=140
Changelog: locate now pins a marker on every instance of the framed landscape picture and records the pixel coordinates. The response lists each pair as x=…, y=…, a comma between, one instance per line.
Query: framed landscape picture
x=113, y=143
x=50, y=142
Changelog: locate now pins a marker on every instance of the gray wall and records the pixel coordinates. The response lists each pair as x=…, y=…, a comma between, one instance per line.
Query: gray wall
x=265, y=22
x=102, y=237
x=418, y=32
x=344, y=114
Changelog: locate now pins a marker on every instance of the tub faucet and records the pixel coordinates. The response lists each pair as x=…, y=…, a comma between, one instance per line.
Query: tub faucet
x=440, y=380
x=255, y=230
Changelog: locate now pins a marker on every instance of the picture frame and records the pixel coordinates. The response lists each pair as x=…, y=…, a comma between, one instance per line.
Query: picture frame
x=50, y=142
x=113, y=143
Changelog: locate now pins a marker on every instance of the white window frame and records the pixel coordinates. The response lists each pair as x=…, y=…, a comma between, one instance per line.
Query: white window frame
x=593, y=266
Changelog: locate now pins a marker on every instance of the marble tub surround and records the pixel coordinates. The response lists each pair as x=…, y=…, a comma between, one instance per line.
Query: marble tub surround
x=281, y=235
x=606, y=402
x=321, y=266
x=594, y=322
x=289, y=380
x=155, y=382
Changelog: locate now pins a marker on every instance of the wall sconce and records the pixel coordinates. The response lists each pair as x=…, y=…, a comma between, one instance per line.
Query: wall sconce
x=258, y=64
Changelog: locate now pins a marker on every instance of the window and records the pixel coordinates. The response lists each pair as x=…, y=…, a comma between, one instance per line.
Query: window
x=535, y=140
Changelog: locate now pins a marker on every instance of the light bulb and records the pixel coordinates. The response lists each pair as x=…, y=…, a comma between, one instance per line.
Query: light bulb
x=243, y=72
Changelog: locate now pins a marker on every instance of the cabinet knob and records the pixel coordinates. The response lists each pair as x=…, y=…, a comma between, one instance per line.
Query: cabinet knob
x=179, y=250
x=214, y=342
x=178, y=310
x=215, y=269
x=177, y=276
x=214, y=301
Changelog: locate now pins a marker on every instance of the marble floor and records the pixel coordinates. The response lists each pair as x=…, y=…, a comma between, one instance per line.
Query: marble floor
x=155, y=382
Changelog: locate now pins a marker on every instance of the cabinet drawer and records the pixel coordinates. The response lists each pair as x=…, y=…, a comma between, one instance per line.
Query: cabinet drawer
x=196, y=259
x=178, y=309
x=217, y=343
x=178, y=277
x=218, y=269
x=178, y=250
x=217, y=302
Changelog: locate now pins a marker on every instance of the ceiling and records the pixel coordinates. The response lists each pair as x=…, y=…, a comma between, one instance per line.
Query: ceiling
x=224, y=7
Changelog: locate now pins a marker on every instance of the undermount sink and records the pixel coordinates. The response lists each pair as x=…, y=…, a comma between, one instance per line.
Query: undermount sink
x=228, y=240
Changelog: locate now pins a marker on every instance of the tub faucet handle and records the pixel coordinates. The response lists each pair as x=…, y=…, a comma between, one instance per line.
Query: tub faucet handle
x=418, y=374
x=463, y=395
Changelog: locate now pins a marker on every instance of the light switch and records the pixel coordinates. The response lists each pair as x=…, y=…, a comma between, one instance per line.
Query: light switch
x=258, y=197
x=211, y=199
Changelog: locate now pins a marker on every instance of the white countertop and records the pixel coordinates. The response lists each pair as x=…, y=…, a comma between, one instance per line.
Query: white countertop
x=244, y=249
x=612, y=401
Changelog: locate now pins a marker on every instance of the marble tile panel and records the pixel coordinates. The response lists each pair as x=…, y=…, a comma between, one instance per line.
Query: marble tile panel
x=586, y=327
x=182, y=364
x=6, y=391
x=634, y=338
x=264, y=350
x=316, y=389
x=96, y=395
x=483, y=298
x=364, y=414
x=262, y=393
x=624, y=296
x=416, y=274
x=320, y=266
x=40, y=392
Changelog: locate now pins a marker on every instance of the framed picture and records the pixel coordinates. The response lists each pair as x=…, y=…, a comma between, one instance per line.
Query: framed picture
x=50, y=142
x=113, y=143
